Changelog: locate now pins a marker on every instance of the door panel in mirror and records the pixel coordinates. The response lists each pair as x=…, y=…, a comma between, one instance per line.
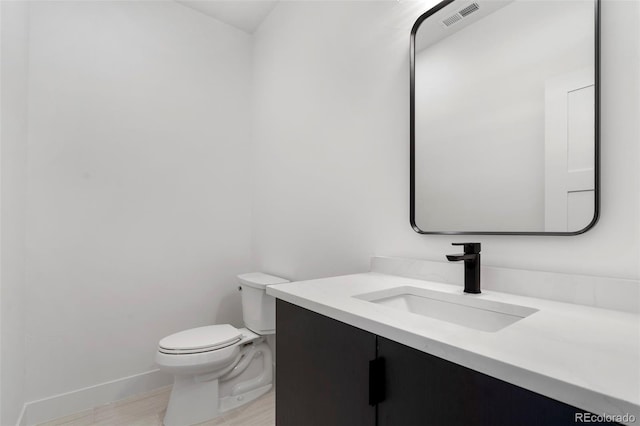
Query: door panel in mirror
x=504, y=117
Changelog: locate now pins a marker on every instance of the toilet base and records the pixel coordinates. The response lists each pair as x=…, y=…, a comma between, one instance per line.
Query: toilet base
x=191, y=402
x=198, y=398
x=194, y=402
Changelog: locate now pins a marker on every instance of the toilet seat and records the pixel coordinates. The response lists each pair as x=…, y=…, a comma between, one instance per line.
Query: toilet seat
x=202, y=360
x=200, y=340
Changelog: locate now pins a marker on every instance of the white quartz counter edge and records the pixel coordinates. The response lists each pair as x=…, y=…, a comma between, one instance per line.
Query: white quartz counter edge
x=583, y=356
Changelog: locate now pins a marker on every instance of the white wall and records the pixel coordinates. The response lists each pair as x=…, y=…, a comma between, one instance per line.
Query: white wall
x=332, y=147
x=472, y=112
x=139, y=197
x=13, y=139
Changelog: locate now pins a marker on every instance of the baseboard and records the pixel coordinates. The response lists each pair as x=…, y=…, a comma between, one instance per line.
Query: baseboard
x=22, y=419
x=64, y=404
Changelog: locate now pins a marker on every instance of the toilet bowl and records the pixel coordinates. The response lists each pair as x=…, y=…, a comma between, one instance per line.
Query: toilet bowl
x=219, y=367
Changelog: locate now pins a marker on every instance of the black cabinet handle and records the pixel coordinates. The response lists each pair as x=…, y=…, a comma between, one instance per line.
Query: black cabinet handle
x=376, y=381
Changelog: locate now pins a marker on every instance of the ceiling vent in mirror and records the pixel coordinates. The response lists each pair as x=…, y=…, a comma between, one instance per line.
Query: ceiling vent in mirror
x=469, y=10
x=460, y=15
x=451, y=20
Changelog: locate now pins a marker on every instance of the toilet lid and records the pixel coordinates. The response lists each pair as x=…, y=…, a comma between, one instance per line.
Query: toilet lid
x=201, y=339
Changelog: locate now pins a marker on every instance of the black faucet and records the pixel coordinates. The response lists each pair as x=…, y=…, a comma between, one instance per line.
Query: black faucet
x=471, y=257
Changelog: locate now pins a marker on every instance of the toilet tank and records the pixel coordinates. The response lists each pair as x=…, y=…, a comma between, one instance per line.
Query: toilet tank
x=258, y=308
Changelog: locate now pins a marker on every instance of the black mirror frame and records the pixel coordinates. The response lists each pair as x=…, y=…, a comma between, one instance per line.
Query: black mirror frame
x=412, y=185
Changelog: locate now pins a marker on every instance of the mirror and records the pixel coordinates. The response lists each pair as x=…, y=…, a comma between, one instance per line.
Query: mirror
x=504, y=117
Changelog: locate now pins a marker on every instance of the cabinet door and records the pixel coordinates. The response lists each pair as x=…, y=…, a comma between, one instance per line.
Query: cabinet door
x=423, y=390
x=322, y=373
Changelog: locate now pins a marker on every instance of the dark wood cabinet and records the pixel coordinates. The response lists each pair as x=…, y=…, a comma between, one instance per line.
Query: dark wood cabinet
x=325, y=377
x=422, y=390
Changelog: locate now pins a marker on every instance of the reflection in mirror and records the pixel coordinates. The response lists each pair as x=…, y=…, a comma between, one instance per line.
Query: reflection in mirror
x=504, y=117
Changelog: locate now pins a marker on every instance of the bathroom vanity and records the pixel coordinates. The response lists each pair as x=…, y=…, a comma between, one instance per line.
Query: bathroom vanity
x=362, y=350
x=331, y=373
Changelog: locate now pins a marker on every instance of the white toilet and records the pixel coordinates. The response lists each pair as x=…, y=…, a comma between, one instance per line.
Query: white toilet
x=220, y=367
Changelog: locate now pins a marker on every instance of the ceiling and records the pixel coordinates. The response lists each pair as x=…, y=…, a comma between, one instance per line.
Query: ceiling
x=433, y=28
x=245, y=15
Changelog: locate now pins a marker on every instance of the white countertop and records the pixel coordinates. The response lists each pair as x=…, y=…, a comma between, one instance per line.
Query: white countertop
x=583, y=356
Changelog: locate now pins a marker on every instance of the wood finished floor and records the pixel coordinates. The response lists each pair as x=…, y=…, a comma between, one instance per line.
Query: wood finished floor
x=148, y=410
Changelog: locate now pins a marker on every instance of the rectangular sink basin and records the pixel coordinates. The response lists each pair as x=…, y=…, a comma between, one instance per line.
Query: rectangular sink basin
x=461, y=309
